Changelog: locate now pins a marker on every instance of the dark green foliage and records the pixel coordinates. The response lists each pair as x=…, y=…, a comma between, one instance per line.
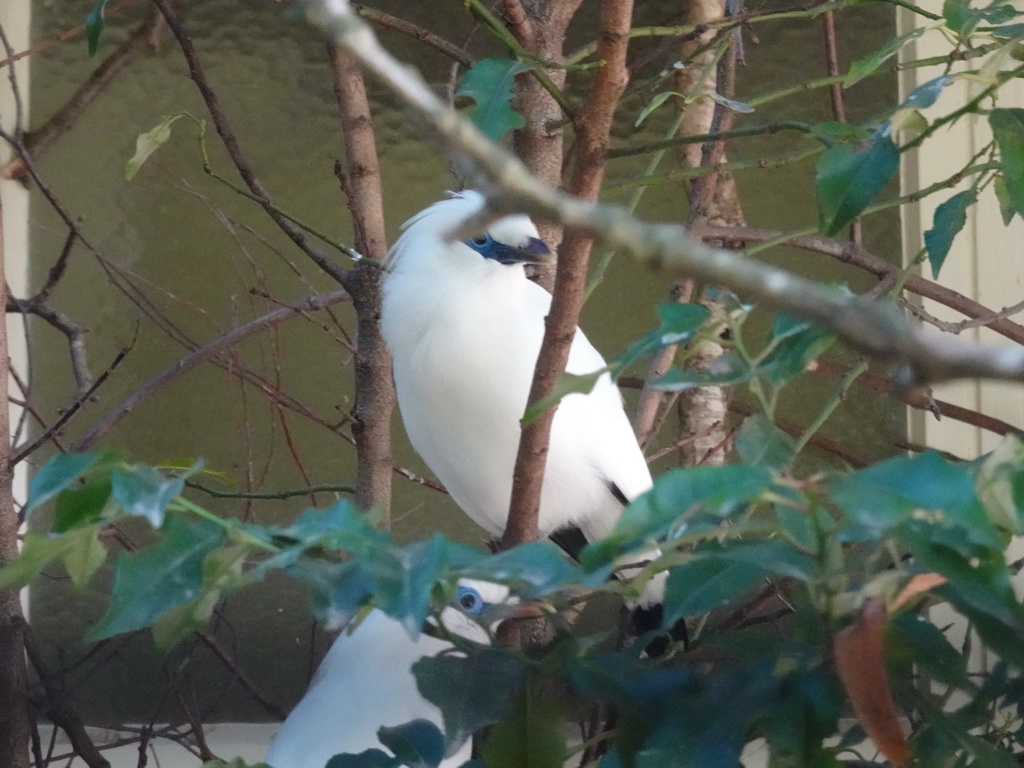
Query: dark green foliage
x=417, y=744
x=94, y=24
x=473, y=691
x=489, y=83
x=164, y=576
x=760, y=443
x=532, y=734
x=849, y=179
x=950, y=218
x=823, y=547
x=1008, y=129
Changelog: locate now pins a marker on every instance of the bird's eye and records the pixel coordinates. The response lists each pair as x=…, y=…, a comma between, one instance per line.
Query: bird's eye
x=481, y=240
x=469, y=600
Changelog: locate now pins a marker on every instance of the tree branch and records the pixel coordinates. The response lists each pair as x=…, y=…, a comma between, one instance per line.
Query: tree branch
x=593, y=128
x=877, y=331
x=425, y=36
x=850, y=253
x=219, y=345
x=361, y=182
x=38, y=141
x=234, y=150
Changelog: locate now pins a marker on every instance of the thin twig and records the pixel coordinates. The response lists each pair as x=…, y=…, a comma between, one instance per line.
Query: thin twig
x=234, y=150
x=203, y=354
x=425, y=36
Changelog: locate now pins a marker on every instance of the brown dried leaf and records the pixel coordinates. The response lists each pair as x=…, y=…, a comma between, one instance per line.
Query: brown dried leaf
x=860, y=662
x=916, y=586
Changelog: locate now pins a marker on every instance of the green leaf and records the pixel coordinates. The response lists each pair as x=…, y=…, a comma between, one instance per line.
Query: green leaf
x=703, y=584
x=679, y=324
x=848, y=180
x=84, y=555
x=1008, y=130
x=762, y=444
x=149, y=142
x=371, y=758
x=533, y=735
x=54, y=476
x=924, y=492
x=963, y=20
x=37, y=551
x=652, y=106
x=927, y=93
x=959, y=17
x=795, y=344
x=342, y=526
x=94, y=25
x=999, y=481
x=978, y=586
x=869, y=64
x=725, y=370
x=337, y=590
x=567, y=384
x=733, y=104
x=489, y=83
x=535, y=569
x=832, y=131
x=404, y=579
x=949, y=219
x=718, y=573
x=928, y=647
x=83, y=505
x=472, y=691
x=416, y=744
x=677, y=497
x=143, y=491
x=1006, y=209
x=150, y=582
x=911, y=121
x=222, y=574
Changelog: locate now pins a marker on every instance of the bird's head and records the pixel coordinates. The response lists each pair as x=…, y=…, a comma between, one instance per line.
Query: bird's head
x=477, y=607
x=509, y=241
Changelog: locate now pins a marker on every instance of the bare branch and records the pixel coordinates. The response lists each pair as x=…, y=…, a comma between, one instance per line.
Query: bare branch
x=57, y=707
x=38, y=141
x=519, y=22
x=62, y=37
x=875, y=330
x=68, y=413
x=74, y=332
x=234, y=150
x=850, y=253
x=219, y=345
x=425, y=36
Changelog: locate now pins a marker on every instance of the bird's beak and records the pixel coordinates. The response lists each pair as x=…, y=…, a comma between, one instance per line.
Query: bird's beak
x=534, y=252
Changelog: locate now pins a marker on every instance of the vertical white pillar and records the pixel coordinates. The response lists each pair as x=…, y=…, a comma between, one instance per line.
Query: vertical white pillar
x=14, y=19
x=985, y=264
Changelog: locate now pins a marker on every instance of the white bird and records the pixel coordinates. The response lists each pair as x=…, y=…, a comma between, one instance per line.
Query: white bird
x=365, y=681
x=464, y=326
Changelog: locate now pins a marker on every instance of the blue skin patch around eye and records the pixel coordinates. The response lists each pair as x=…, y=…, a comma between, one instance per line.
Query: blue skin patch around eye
x=534, y=252
x=470, y=602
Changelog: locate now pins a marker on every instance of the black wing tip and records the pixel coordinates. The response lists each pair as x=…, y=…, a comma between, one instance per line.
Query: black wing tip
x=570, y=539
x=647, y=620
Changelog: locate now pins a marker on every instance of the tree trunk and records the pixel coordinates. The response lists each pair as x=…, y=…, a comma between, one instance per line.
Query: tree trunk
x=713, y=201
x=540, y=144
